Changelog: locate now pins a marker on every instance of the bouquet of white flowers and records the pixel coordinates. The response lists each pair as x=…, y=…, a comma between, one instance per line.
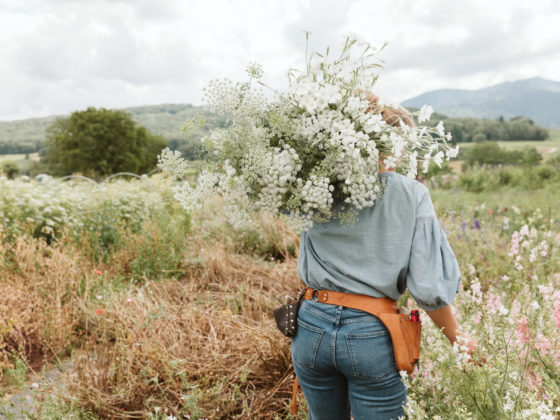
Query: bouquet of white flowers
x=321, y=141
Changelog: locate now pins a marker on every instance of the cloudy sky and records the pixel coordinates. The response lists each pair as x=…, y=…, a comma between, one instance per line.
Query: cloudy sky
x=57, y=56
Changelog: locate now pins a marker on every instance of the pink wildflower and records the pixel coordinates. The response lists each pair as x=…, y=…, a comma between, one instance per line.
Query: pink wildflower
x=476, y=292
x=557, y=312
x=98, y=311
x=523, y=333
x=129, y=300
x=409, y=303
x=542, y=344
x=544, y=248
x=533, y=255
x=515, y=239
x=545, y=290
x=535, y=379
x=494, y=303
x=515, y=307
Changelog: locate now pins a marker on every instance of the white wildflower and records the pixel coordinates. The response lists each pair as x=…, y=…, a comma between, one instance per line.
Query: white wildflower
x=323, y=138
x=425, y=113
x=509, y=404
x=171, y=163
x=438, y=158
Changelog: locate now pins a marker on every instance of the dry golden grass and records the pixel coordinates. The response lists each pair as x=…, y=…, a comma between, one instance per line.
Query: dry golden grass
x=206, y=344
x=203, y=343
x=39, y=294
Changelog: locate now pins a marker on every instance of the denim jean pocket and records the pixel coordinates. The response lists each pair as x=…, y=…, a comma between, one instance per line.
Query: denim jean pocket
x=371, y=354
x=305, y=344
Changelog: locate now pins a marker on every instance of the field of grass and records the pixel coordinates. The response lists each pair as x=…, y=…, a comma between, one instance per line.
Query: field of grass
x=20, y=160
x=17, y=158
x=544, y=147
x=165, y=315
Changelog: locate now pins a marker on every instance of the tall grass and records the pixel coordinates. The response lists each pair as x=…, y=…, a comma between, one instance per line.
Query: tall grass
x=172, y=316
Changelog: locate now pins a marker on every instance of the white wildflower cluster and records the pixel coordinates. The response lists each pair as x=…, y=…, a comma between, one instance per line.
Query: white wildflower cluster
x=317, y=194
x=321, y=142
x=53, y=206
x=172, y=164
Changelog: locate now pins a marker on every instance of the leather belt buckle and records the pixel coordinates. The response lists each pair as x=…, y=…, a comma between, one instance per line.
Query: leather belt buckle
x=323, y=295
x=310, y=293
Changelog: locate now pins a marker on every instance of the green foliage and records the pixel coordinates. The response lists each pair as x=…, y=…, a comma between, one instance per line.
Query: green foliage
x=159, y=249
x=10, y=169
x=16, y=376
x=481, y=129
x=98, y=142
x=489, y=153
x=54, y=408
x=520, y=178
x=435, y=170
x=554, y=161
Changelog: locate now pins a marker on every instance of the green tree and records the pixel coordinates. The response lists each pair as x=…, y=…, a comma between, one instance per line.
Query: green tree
x=99, y=142
x=10, y=169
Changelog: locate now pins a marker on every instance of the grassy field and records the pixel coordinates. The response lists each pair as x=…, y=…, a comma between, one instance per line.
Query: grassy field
x=18, y=158
x=548, y=146
x=165, y=315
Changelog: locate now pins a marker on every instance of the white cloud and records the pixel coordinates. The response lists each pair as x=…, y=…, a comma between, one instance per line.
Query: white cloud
x=58, y=55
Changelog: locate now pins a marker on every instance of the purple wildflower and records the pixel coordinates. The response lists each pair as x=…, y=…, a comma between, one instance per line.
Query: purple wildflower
x=476, y=223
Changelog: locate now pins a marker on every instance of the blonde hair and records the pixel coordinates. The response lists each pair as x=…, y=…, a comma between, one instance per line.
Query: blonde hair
x=390, y=115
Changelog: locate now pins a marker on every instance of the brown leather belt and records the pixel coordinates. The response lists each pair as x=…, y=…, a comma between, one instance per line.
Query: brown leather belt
x=364, y=303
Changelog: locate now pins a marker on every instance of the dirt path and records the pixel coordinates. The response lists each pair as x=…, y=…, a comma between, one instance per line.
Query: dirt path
x=23, y=404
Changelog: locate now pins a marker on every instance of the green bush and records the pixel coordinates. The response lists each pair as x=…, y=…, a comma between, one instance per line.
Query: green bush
x=554, y=160
x=522, y=178
x=10, y=169
x=489, y=153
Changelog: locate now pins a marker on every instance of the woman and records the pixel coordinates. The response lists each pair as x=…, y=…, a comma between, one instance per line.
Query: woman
x=344, y=357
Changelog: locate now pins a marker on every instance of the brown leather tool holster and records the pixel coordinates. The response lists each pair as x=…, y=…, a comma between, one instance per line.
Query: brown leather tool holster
x=405, y=334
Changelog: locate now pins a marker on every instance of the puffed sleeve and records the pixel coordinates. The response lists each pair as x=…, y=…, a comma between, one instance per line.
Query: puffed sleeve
x=433, y=273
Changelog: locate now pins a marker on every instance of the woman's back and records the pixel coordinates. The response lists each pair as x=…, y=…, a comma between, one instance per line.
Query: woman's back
x=395, y=244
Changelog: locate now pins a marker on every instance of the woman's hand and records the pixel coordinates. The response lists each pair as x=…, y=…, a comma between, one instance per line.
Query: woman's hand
x=472, y=346
x=444, y=320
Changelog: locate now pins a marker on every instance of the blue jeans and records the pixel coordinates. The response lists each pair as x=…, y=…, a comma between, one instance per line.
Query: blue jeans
x=345, y=362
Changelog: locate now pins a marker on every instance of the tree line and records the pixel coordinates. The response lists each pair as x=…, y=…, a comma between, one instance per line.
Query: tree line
x=466, y=130
x=98, y=142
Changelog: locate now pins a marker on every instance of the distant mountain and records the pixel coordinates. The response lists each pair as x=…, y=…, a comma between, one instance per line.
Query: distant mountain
x=536, y=98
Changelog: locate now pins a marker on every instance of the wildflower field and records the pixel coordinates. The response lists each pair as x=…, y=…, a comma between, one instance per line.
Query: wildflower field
x=166, y=314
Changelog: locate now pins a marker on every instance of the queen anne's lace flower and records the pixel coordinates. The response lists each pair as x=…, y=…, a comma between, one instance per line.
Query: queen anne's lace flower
x=320, y=140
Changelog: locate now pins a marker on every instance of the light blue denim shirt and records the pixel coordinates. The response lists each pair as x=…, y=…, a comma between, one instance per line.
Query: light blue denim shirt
x=395, y=244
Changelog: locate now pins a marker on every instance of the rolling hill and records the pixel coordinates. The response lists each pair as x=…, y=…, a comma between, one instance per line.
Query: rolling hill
x=165, y=120
x=536, y=98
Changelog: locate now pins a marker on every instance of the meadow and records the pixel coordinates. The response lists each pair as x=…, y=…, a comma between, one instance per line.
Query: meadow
x=545, y=147
x=168, y=315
